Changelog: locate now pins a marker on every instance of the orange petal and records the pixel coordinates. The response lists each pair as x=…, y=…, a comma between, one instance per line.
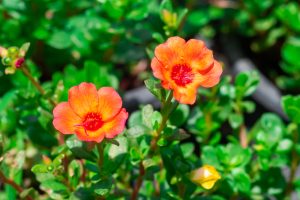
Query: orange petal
x=83, y=98
x=65, y=119
x=198, y=56
x=213, y=76
x=109, y=130
x=194, y=48
x=170, y=52
x=185, y=95
x=89, y=136
x=110, y=103
x=157, y=68
x=116, y=125
x=175, y=43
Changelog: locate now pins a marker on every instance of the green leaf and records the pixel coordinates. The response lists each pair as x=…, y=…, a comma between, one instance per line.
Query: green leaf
x=242, y=181
x=233, y=155
x=154, y=86
x=79, y=149
x=147, y=112
x=140, y=12
x=103, y=187
x=235, y=120
x=138, y=131
x=27, y=192
x=269, y=130
x=289, y=14
x=117, y=153
x=187, y=149
x=54, y=185
x=180, y=115
x=284, y=145
x=291, y=106
x=166, y=5
x=135, y=119
x=215, y=139
x=209, y=157
x=82, y=194
x=60, y=40
x=198, y=17
x=249, y=106
x=135, y=156
x=58, y=160
x=290, y=54
x=40, y=168
x=156, y=119
x=264, y=24
x=246, y=83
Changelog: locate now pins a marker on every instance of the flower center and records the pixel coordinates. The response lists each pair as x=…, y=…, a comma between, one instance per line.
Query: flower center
x=182, y=74
x=92, y=122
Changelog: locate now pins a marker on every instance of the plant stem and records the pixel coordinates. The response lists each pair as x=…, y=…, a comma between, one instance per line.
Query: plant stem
x=36, y=84
x=12, y=183
x=100, y=148
x=243, y=136
x=138, y=182
x=242, y=130
x=166, y=111
x=294, y=164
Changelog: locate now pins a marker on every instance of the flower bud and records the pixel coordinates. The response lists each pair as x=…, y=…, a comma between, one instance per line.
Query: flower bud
x=205, y=176
x=6, y=61
x=169, y=18
x=13, y=52
x=19, y=62
x=13, y=57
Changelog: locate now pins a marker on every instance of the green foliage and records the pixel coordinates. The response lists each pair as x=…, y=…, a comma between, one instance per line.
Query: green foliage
x=290, y=105
x=110, y=43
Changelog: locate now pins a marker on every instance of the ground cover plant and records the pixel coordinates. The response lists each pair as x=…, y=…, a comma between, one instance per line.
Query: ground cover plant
x=74, y=122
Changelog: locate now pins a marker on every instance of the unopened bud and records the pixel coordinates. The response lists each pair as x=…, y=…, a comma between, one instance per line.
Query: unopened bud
x=19, y=62
x=169, y=18
x=46, y=160
x=6, y=61
x=205, y=176
x=13, y=52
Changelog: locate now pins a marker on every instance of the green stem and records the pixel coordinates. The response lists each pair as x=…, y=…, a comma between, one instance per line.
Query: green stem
x=36, y=84
x=100, y=148
x=242, y=130
x=166, y=110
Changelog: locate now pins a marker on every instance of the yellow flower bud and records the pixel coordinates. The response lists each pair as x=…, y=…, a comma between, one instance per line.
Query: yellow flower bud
x=205, y=176
x=169, y=18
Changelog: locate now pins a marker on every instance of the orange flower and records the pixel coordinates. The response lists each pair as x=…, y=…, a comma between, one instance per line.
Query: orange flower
x=91, y=114
x=184, y=66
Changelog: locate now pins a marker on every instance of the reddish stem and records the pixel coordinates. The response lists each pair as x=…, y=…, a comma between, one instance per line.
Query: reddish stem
x=139, y=182
x=12, y=183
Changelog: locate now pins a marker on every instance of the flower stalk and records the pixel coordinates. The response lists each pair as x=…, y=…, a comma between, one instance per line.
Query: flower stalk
x=166, y=110
x=138, y=182
x=36, y=84
x=12, y=183
x=100, y=148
